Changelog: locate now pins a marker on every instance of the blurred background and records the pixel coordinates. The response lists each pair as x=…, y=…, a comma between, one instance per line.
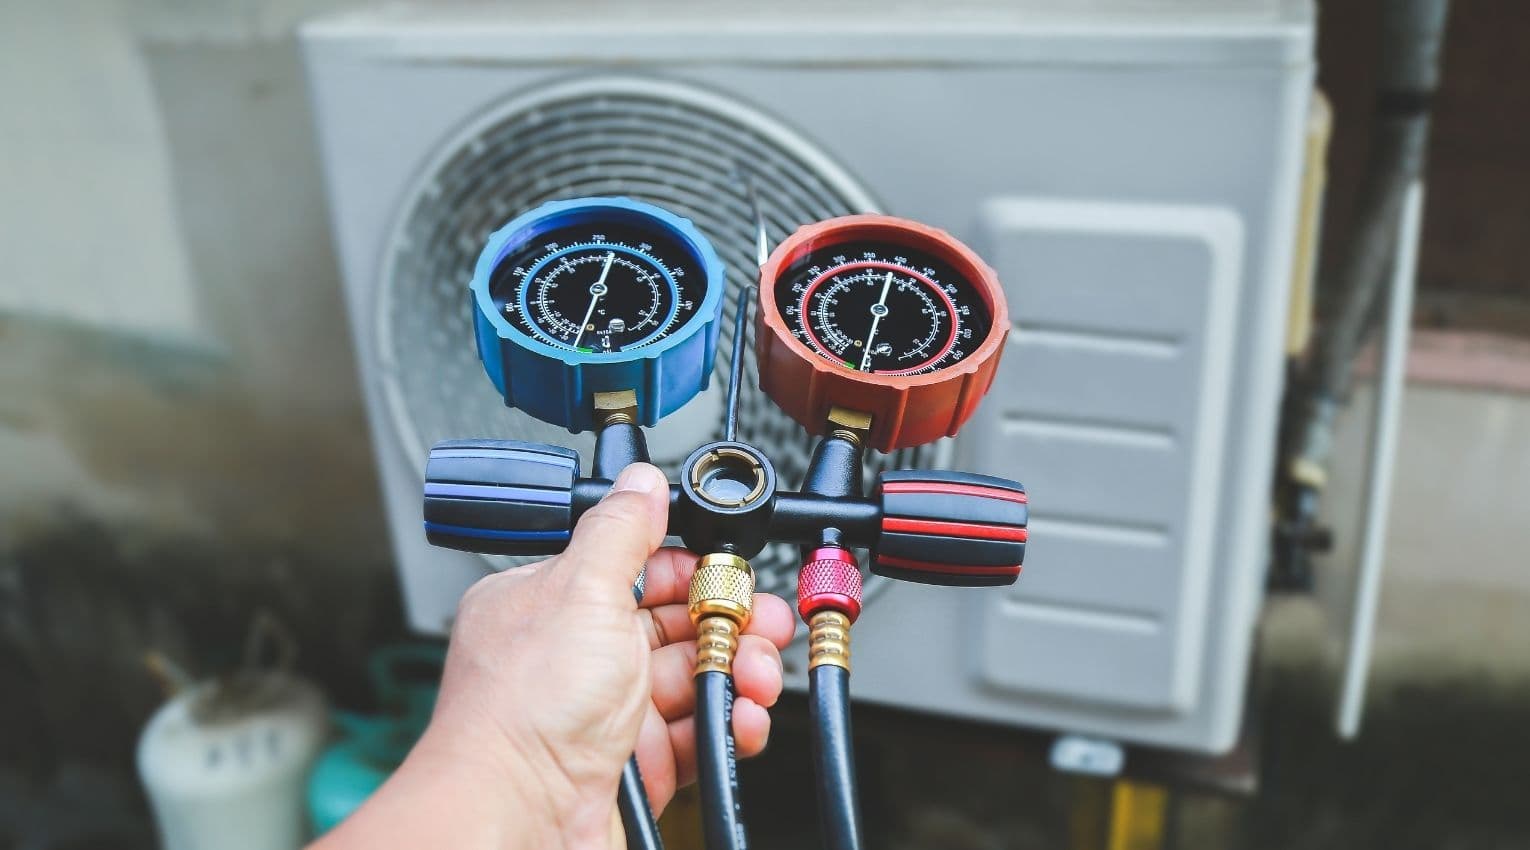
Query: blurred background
x=233, y=233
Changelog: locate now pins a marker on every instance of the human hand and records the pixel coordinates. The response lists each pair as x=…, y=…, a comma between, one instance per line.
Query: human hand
x=555, y=676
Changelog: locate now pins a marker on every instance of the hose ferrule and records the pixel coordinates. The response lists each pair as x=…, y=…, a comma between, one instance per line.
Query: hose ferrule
x=829, y=640
x=716, y=644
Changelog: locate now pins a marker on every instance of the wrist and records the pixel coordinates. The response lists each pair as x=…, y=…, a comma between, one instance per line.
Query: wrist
x=492, y=782
x=446, y=794
x=514, y=783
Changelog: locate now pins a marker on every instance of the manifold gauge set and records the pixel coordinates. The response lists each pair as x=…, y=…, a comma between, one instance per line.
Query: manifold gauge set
x=872, y=332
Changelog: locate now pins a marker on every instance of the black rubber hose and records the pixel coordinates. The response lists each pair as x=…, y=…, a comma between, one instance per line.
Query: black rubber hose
x=637, y=817
x=722, y=818
x=839, y=814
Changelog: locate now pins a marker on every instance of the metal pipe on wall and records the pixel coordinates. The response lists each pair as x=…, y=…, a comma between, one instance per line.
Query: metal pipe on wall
x=1412, y=38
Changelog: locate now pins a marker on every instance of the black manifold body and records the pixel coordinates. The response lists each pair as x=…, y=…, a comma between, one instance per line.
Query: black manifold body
x=935, y=527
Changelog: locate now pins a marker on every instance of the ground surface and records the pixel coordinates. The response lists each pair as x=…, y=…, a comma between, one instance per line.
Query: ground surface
x=1442, y=767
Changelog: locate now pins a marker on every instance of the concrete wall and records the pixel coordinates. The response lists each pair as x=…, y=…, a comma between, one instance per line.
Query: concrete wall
x=181, y=439
x=1455, y=602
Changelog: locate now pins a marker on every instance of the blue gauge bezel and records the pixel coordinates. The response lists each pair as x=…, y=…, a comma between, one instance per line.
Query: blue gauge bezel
x=556, y=214
x=556, y=383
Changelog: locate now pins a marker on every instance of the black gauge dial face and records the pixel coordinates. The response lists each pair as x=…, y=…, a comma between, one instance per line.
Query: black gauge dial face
x=882, y=308
x=599, y=287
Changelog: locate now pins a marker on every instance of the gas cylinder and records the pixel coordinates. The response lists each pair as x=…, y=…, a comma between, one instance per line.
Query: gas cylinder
x=224, y=762
x=370, y=747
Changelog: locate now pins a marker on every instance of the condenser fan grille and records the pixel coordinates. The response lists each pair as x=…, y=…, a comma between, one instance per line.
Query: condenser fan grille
x=676, y=146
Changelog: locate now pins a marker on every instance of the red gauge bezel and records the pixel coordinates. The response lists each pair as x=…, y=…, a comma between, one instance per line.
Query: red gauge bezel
x=906, y=410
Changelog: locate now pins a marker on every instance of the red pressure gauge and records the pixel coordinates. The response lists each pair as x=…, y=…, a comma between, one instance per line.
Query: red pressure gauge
x=883, y=316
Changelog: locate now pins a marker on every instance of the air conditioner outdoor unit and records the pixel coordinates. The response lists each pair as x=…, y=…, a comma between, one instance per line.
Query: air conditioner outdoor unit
x=1131, y=169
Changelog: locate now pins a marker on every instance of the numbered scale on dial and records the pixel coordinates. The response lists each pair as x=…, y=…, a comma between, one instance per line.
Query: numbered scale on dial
x=594, y=295
x=600, y=286
x=888, y=309
x=879, y=316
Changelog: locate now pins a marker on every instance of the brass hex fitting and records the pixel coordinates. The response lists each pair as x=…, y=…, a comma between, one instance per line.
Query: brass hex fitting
x=852, y=425
x=829, y=639
x=616, y=407
x=721, y=598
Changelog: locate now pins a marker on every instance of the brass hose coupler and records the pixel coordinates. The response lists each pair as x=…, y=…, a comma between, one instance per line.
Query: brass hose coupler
x=721, y=598
x=716, y=644
x=829, y=639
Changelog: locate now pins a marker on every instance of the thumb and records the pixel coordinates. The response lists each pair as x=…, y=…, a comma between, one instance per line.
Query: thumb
x=612, y=540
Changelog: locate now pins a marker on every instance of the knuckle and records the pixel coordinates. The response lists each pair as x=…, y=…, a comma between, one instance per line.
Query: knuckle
x=489, y=592
x=473, y=598
x=761, y=645
x=617, y=517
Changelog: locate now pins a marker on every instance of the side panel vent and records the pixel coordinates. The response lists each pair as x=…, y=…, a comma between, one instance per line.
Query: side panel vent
x=1112, y=410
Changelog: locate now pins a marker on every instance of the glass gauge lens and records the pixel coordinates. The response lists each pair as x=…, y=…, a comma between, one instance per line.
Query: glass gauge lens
x=598, y=287
x=882, y=308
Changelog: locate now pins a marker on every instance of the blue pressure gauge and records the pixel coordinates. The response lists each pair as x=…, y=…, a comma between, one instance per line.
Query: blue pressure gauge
x=597, y=295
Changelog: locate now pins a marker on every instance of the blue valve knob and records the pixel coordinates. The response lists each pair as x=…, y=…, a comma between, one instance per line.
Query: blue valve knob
x=503, y=497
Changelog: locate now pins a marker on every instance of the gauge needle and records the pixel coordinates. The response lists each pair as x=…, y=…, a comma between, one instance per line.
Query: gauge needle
x=878, y=310
x=597, y=289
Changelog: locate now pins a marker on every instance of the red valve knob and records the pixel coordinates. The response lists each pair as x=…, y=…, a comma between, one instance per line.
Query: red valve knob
x=829, y=580
x=950, y=528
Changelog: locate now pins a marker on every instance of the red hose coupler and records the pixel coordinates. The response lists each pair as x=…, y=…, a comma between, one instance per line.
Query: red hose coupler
x=829, y=580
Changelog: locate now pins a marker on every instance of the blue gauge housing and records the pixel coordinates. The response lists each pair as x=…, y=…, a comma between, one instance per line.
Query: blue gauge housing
x=557, y=382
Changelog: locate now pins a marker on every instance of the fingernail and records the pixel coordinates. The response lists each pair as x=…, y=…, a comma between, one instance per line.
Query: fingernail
x=770, y=657
x=639, y=477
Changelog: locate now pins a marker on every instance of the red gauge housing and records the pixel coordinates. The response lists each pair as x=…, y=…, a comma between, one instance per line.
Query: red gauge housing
x=935, y=389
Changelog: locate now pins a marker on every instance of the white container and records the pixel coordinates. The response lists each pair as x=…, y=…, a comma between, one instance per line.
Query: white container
x=225, y=763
